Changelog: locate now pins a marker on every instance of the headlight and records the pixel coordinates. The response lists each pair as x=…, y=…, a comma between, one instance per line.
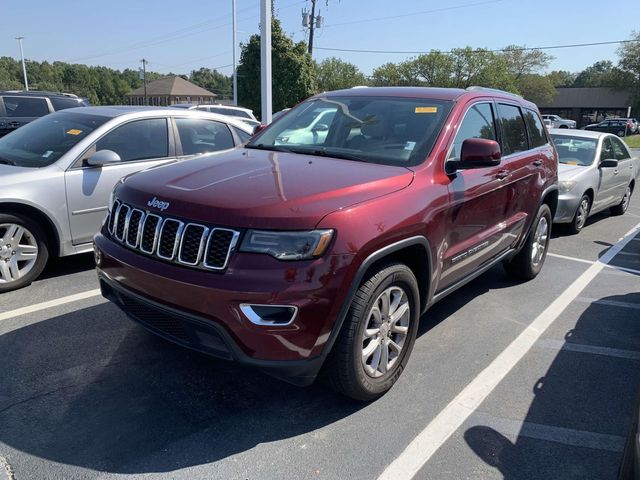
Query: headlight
x=287, y=245
x=566, y=185
x=111, y=199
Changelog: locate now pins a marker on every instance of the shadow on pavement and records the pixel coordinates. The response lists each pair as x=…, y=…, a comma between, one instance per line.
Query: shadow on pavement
x=580, y=391
x=91, y=389
x=58, y=267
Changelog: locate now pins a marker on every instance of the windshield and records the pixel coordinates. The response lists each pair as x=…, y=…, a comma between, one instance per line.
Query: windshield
x=45, y=140
x=387, y=130
x=575, y=150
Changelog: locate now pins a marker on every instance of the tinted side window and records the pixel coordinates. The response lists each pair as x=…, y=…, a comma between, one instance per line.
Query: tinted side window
x=478, y=122
x=515, y=134
x=25, y=107
x=619, y=150
x=202, y=136
x=537, y=136
x=607, y=150
x=62, y=103
x=138, y=140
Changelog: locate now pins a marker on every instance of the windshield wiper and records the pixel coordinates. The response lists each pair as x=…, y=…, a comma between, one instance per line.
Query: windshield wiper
x=7, y=162
x=323, y=152
x=262, y=146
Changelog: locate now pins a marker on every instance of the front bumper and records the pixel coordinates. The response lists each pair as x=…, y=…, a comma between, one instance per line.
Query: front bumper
x=567, y=207
x=201, y=310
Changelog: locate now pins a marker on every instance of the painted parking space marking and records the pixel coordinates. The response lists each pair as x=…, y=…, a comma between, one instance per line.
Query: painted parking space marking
x=565, y=436
x=583, y=348
x=573, y=259
x=49, y=304
x=611, y=303
x=610, y=268
x=438, y=431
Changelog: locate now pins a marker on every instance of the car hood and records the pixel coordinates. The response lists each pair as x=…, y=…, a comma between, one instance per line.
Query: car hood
x=261, y=189
x=567, y=172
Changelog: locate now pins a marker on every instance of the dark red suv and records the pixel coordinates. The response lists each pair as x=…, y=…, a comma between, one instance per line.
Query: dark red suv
x=316, y=247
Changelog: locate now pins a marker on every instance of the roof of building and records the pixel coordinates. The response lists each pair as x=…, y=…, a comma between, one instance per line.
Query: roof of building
x=172, y=86
x=589, y=97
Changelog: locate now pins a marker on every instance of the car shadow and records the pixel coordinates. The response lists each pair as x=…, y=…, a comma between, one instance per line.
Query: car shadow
x=579, y=392
x=562, y=230
x=61, y=266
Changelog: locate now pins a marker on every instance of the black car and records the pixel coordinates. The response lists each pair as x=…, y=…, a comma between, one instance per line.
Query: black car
x=618, y=126
x=18, y=108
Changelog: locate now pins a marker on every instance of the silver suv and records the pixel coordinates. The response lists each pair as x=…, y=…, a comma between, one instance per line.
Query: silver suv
x=57, y=172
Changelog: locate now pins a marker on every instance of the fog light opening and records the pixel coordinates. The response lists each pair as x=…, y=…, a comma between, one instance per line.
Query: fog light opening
x=271, y=315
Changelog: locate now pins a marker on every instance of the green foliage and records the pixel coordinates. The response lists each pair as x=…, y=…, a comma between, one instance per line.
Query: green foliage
x=293, y=71
x=536, y=88
x=335, y=74
x=101, y=85
x=561, y=78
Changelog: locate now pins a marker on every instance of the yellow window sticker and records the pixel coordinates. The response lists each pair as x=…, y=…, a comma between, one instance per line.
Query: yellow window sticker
x=426, y=109
x=74, y=131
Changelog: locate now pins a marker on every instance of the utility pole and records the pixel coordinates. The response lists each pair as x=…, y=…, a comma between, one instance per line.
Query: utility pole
x=235, y=75
x=265, y=61
x=312, y=22
x=24, y=67
x=144, y=78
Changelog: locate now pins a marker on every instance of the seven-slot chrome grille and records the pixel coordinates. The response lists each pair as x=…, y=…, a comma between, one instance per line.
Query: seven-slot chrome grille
x=171, y=239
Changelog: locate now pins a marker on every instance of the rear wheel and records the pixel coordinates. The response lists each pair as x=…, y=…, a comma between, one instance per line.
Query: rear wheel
x=621, y=133
x=377, y=336
x=23, y=251
x=529, y=260
x=580, y=218
x=624, y=203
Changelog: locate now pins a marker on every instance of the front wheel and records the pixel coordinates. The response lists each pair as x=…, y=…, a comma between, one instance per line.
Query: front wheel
x=377, y=336
x=621, y=133
x=580, y=218
x=529, y=260
x=621, y=208
x=23, y=251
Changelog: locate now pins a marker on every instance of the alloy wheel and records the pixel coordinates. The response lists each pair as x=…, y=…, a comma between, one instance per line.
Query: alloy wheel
x=581, y=215
x=626, y=198
x=18, y=252
x=386, y=330
x=540, y=239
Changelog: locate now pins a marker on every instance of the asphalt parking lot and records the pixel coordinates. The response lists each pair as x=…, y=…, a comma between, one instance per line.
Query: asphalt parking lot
x=535, y=380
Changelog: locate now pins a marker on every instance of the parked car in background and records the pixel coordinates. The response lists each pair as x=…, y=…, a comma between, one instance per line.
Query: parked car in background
x=635, y=125
x=241, y=113
x=596, y=172
x=618, y=126
x=57, y=172
x=17, y=108
x=325, y=253
x=310, y=126
x=557, y=122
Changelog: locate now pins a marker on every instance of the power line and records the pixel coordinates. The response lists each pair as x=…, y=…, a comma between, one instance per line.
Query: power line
x=479, y=50
x=413, y=14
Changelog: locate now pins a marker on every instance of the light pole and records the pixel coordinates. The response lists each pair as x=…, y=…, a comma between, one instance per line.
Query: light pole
x=235, y=74
x=265, y=61
x=24, y=67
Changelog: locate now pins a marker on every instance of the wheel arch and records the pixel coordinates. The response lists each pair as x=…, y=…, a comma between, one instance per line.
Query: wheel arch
x=50, y=230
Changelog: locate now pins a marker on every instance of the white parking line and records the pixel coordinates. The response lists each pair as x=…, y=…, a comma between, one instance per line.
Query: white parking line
x=51, y=303
x=590, y=262
x=436, y=433
x=573, y=259
x=565, y=436
x=584, y=348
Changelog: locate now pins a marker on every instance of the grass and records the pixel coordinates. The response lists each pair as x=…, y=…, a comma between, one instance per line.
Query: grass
x=633, y=141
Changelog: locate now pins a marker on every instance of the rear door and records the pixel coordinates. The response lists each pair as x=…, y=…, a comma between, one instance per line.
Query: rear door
x=198, y=135
x=19, y=111
x=625, y=166
x=608, y=184
x=140, y=144
x=476, y=232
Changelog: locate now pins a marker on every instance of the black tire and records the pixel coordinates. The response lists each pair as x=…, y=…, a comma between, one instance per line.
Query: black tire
x=621, y=133
x=563, y=126
x=36, y=236
x=621, y=208
x=580, y=218
x=523, y=266
x=344, y=369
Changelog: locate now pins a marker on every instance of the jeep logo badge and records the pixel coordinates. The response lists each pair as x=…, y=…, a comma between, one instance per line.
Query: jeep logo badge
x=154, y=202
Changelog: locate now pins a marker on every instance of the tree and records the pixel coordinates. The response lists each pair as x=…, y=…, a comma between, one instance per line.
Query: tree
x=335, y=74
x=561, y=78
x=600, y=74
x=393, y=74
x=213, y=81
x=520, y=61
x=293, y=71
x=536, y=88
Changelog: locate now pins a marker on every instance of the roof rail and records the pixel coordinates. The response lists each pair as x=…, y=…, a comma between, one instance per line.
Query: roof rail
x=42, y=92
x=496, y=90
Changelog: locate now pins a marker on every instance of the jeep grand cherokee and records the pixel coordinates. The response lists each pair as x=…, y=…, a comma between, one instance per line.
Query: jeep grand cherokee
x=319, y=256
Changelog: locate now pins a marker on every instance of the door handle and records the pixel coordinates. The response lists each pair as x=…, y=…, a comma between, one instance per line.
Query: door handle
x=615, y=172
x=537, y=163
x=502, y=174
x=14, y=124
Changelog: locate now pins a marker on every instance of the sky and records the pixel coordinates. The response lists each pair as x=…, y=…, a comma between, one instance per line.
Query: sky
x=181, y=36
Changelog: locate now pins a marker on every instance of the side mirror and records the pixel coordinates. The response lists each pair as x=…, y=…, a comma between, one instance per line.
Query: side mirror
x=608, y=163
x=477, y=153
x=258, y=128
x=320, y=127
x=103, y=157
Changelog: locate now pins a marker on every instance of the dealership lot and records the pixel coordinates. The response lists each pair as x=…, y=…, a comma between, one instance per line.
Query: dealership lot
x=85, y=393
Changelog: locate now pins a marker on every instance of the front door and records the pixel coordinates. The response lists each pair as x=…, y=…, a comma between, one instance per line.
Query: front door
x=140, y=144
